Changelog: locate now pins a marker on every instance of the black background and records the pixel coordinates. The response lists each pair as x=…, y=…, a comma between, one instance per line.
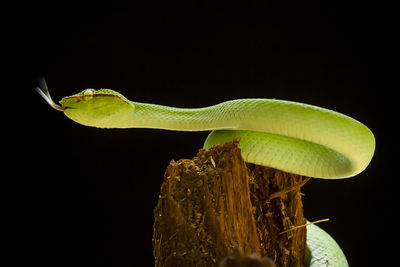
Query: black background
x=85, y=196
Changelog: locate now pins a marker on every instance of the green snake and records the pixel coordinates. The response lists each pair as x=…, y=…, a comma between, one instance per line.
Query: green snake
x=289, y=136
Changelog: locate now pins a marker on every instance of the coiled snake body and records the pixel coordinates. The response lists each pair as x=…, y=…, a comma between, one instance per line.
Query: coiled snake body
x=289, y=136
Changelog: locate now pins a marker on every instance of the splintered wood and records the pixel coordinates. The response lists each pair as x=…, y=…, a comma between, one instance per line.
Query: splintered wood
x=217, y=210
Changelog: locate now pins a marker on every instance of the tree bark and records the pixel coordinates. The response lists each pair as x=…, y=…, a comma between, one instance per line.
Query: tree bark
x=218, y=210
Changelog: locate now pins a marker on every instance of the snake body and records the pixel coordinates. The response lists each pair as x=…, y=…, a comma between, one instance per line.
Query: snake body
x=290, y=136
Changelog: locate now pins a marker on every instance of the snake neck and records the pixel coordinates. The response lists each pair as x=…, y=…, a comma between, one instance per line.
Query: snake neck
x=179, y=119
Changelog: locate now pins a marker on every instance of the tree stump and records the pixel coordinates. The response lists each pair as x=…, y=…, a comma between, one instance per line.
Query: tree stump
x=217, y=210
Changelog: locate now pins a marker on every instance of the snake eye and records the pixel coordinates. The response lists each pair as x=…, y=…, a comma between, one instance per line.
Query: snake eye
x=88, y=94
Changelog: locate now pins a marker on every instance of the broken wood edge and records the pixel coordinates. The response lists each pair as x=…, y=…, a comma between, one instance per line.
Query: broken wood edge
x=280, y=197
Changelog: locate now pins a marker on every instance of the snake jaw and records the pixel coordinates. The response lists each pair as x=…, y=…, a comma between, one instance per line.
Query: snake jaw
x=43, y=90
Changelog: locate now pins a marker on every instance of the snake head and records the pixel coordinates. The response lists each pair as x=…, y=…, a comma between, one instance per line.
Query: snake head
x=99, y=108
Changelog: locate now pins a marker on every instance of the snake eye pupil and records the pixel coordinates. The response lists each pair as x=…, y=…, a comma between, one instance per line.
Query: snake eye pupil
x=88, y=94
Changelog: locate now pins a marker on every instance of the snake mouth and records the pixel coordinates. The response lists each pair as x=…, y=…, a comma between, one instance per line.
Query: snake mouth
x=44, y=92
